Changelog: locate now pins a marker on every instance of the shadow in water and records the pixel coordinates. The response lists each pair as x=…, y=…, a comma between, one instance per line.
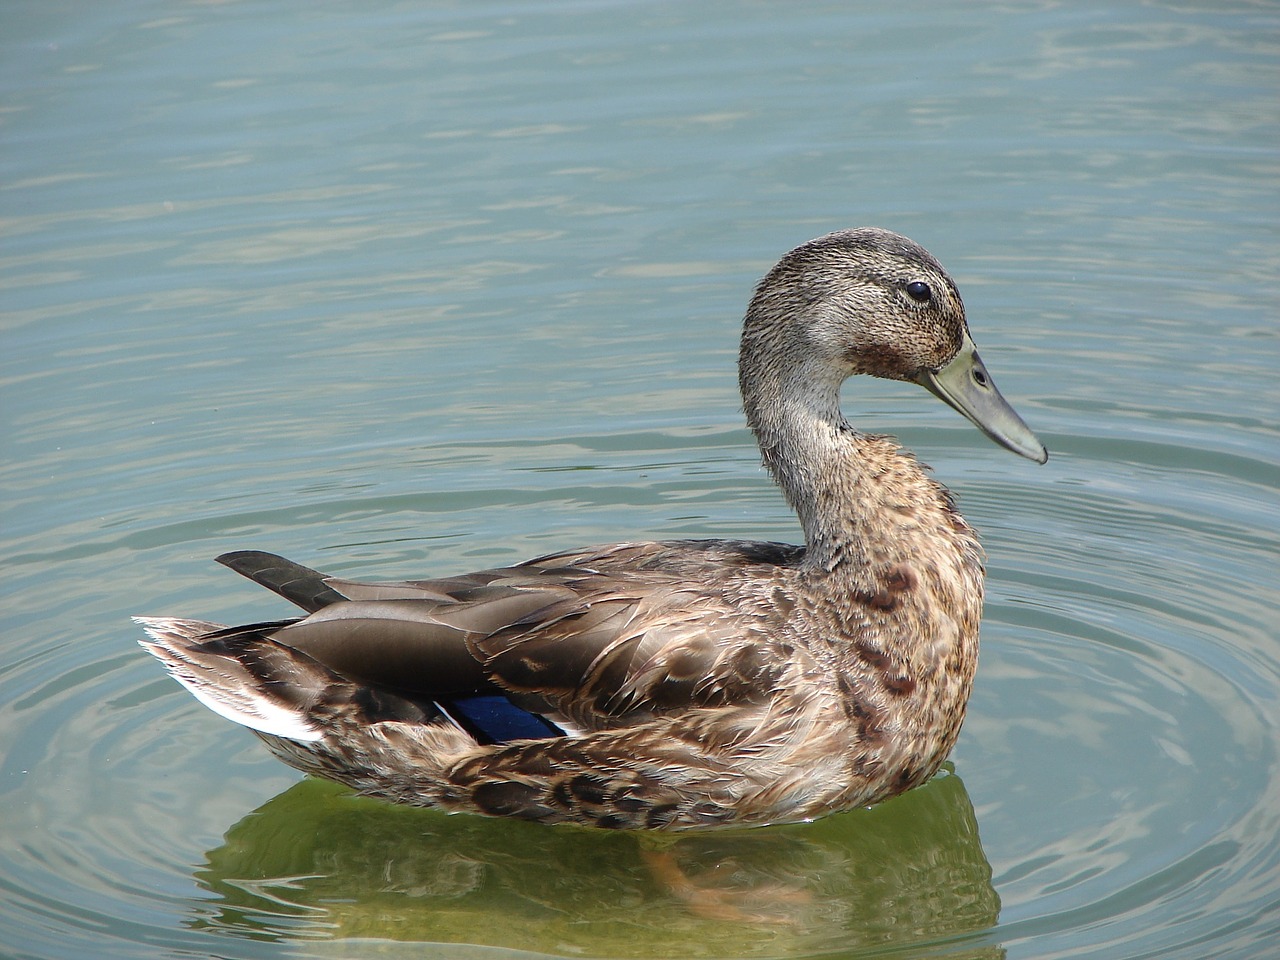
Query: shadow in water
x=318, y=863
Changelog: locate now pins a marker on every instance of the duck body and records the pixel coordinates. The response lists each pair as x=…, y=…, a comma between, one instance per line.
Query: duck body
x=673, y=684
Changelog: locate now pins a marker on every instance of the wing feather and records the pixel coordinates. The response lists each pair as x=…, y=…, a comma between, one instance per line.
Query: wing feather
x=601, y=637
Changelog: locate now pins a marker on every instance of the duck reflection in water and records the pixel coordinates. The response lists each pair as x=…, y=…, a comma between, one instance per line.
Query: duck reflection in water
x=318, y=862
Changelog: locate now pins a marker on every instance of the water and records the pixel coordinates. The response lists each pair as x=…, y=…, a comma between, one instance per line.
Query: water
x=412, y=288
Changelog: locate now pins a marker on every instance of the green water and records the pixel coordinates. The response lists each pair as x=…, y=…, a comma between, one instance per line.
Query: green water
x=406, y=289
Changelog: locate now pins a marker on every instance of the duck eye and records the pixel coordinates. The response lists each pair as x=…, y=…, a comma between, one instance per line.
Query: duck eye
x=919, y=291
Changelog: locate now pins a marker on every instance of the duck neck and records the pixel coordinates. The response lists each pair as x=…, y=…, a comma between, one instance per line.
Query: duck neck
x=819, y=461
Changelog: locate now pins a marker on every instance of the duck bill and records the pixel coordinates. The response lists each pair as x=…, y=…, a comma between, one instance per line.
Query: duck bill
x=965, y=385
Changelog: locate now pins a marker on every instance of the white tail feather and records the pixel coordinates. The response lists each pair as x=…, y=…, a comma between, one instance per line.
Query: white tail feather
x=220, y=683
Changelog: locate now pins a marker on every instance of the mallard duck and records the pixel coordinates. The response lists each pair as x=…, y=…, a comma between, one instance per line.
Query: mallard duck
x=680, y=683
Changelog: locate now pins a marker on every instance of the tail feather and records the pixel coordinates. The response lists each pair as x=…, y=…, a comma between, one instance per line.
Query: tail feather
x=293, y=581
x=256, y=682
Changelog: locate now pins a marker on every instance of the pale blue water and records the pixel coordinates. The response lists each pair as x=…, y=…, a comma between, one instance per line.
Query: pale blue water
x=402, y=289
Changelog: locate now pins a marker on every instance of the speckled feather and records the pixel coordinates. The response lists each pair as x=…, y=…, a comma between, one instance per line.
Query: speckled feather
x=689, y=683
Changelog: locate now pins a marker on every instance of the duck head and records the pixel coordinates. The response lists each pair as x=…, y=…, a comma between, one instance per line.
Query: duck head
x=867, y=301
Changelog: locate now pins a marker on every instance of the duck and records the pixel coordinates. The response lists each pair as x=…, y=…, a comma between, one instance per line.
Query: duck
x=675, y=684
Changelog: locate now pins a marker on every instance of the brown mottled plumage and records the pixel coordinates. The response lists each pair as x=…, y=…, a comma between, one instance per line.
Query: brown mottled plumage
x=674, y=684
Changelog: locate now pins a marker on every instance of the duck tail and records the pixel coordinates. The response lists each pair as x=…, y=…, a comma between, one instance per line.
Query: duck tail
x=242, y=674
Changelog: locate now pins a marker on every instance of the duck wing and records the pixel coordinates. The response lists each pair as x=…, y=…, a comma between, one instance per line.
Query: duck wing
x=592, y=640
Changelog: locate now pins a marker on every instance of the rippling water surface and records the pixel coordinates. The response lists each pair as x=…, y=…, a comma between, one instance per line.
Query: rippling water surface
x=412, y=288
